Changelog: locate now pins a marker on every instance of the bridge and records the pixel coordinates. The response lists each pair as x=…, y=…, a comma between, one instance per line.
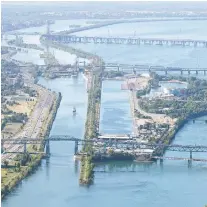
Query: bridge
x=98, y=144
x=65, y=38
x=108, y=23
x=150, y=68
x=132, y=68
x=113, y=22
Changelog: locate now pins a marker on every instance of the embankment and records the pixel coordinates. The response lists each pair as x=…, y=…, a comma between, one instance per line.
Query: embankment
x=17, y=174
x=67, y=48
x=91, y=126
x=169, y=137
x=93, y=110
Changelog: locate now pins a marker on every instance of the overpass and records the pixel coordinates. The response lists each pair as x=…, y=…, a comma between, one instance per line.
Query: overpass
x=65, y=38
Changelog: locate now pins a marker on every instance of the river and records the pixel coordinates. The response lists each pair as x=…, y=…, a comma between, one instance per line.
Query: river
x=55, y=182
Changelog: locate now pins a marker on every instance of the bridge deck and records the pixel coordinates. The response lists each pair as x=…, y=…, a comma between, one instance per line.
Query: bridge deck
x=124, y=40
x=123, y=144
x=180, y=158
x=114, y=136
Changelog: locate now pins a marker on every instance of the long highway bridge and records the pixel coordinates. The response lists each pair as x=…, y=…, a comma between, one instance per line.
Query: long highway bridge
x=113, y=22
x=65, y=38
x=133, y=68
x=101, y=143
x=150, y=68
x=108, y=23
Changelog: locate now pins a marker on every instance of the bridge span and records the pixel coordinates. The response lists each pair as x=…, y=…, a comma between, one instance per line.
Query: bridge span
x=109, y=142
x=150, y=68
x=112, y=22
x=103, y=144
x=124, y=40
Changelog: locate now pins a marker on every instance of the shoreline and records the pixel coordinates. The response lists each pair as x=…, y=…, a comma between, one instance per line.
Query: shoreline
x=91, y=127
x=93, y=108
x=86, y=172
x=33, y=164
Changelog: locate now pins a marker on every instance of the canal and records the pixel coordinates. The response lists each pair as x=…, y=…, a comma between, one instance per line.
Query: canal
x=55, y=182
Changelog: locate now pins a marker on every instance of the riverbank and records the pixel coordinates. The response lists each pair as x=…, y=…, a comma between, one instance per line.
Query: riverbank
x=17, y=174
x=69, y=49
x=91, y=126
x=94, y=83
x=86, y=161
x=169, y=137
x=25, y=45
x=175, y=113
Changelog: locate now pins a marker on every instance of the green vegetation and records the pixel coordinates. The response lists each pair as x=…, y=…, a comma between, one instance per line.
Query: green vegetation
x=94, y=97
x=195, y=101
x=145, y=90
x=15, y=117
x=69, y=49
x=86, y=175
x=26, y=164
x=141, y=116
x=11, y=79
x=31, y=92
x=91, y=126
x=191, y=105
x=12, y=176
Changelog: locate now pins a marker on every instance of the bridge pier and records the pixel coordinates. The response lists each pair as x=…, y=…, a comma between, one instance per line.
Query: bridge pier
x=2, y=147
x=204, y=72
x=196, y=72
x=134, y=71
x=76, y=148
x=47, y=145
x=161, y=162
x=166, y=72
x=25, y=147
x=116, y=143
x=190, y=161
x=188, y=72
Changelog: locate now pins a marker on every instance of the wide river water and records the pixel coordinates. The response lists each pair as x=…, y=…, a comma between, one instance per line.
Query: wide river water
x=55, y=182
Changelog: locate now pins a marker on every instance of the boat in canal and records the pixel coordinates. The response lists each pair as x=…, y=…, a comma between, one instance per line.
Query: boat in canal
x=74, y=110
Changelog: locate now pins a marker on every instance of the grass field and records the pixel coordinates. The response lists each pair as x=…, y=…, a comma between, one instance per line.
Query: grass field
x=11, y=129
x=23, y=107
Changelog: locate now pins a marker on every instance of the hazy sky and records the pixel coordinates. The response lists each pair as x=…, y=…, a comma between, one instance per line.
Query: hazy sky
x=170, y=5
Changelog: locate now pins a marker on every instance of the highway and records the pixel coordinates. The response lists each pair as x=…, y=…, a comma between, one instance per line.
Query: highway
x=34, y=125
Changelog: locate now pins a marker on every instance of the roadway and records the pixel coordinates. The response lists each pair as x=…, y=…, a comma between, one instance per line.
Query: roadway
x=37, y=119
x=113, y=22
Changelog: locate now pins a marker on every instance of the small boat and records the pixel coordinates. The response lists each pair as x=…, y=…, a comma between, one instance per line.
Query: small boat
x=74, y=110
